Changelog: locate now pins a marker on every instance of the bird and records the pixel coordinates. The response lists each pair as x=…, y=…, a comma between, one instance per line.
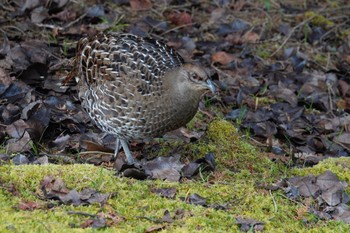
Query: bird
x=135, y=87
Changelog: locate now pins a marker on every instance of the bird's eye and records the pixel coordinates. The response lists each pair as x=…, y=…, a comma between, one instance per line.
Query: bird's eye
x=195, y=77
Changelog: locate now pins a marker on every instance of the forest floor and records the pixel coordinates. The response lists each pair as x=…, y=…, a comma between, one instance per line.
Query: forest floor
x=268, y=152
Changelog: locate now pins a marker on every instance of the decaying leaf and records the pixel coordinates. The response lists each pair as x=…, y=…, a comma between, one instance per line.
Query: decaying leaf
x=326, y=188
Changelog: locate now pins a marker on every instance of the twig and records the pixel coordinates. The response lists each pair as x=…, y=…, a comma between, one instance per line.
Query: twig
x=330, y=95
x=95, y=152
x=49, y=26
x=14, y=27
x=220, y=71
x=274, y=202
x=256, y=141
x=332, y=29
x=291, y=33
x=206, y=113
x=294, y=201
x=342, y=145
x=75, y=21
x=7, y=8
x=150, y=219
x=82, y=213
x=342, y=8
x=175, y=28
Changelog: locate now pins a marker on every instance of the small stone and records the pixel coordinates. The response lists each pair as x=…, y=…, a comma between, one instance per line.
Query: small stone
x=4, y=157
x=20, y=160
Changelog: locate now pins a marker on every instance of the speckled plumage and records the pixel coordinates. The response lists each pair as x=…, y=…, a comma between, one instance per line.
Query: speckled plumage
x=135, y=87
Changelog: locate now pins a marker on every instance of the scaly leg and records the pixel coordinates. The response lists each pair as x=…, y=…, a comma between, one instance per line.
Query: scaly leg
x=117, y=148
x=127, y=151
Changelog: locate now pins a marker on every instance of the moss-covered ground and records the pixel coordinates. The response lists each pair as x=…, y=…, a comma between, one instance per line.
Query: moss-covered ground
x=235, y=183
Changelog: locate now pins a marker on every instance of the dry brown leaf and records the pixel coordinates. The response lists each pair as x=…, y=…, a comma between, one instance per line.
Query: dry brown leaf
x=343, y=138
x=251, y=37
x=28, y=205
x=222, y=57
x=238, y=5
x=140, y=5
x=154, y=228
x=343, y=104
x=180, y=18
x=344, y=87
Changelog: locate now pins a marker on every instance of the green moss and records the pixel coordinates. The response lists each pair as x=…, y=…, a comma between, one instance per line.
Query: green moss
x=319, y=20
x=321, y=58
x=339, y=166
x=264, y=50
x=264, y=101
x=192, y=151
x=134, y=200
x=199, y=117
x=234, y=152
x=222, y=131
x=164, y=148
x=240, y=168
x=344, y=33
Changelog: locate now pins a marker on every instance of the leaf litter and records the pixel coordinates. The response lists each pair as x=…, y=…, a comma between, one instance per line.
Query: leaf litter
x=327, y=191
x=293, y=99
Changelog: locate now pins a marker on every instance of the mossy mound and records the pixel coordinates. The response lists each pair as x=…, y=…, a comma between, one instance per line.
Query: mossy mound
x=339, y=166
x=234, y=185
x=235, y=153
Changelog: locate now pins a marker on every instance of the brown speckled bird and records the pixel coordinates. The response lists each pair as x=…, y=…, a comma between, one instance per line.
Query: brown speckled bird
x=136, y=88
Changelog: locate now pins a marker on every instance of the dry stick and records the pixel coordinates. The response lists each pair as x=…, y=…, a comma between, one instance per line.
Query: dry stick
x=82, y=213
x=64, y=61
x=328, y=60
x=332, y=29
x=61, y=28
x=206, y=113
x=274, y=202
x=291, y=33
x=330, y=94
x=175, y=28
x=95, y=152
x=172, y=29
x=294, y=201
x=341, y=144
x=260, y=10
x=167, y=7
x=154, y=27
x=342, y=8
x=14, y=27
x=220, y=71
x=7, y=8
x=62, y=157
x=50, y=26
x=75, y=21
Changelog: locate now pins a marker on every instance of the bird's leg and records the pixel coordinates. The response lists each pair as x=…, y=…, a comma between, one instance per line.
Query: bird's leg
x=117, y=148
x=127, y=151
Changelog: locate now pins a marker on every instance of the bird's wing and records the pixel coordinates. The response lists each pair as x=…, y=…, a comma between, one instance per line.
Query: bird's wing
x=125, y=56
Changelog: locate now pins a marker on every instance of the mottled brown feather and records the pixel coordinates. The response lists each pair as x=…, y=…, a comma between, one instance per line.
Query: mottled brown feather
x=135, y=87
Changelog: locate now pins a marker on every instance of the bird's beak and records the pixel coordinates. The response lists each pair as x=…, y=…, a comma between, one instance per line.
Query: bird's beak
x=211, y=86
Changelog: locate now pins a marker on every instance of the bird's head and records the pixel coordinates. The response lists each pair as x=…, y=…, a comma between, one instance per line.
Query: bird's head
x=195, y=78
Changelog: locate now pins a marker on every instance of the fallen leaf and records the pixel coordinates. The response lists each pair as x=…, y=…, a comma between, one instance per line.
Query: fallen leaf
x=343, y=138
x=249, y=224
x=165, y=192
x=19, y=145
x=180, y=18
x=154, y=228
x=140, y=5
x=251, y=37
x=223, y=58
x=28, y=205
